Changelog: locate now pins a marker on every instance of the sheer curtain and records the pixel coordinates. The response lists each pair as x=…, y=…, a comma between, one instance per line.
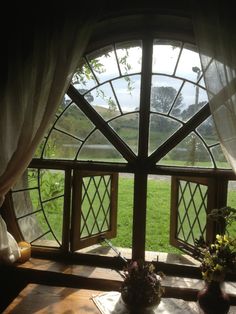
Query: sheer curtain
x=42, y=56
x=215, y=32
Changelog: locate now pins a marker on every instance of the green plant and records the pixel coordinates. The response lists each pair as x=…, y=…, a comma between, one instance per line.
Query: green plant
x=141, y=287
x=219, y=257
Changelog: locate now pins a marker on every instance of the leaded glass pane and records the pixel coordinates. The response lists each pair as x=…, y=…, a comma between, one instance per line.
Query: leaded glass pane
x=97, y=147
x=104, y=102
x=191, y=152
x=190, y=100
x=192, y=213
x=161, y=128
x=61, y=146
x=127, y=90
x=189, y=65
x=51, y=183
x=83, y=79
x=129, y=56
x=163, y=93
x=127, y=127
x=208, y=132
x=103, y=63
x=95, y=213
x=165, y=56
x=33, y=226
x=74, y=122
x=53, y=210
x=219, y=157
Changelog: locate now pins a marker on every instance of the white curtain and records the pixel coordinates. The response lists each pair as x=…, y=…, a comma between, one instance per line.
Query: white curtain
x=215, y=32
x=42, y=57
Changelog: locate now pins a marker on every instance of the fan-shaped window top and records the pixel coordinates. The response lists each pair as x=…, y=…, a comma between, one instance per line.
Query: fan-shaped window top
x=114, y=95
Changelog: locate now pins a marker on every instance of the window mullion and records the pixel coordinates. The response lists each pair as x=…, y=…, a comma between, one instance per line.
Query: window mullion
x=106, y=130
x=145, y=95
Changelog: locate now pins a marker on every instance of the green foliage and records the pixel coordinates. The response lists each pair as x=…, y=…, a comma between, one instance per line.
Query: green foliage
x=84, y=74
x=219, y=257
x=51, y=183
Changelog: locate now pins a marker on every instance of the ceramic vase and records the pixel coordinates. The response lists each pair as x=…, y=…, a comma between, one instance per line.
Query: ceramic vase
x=212, y=299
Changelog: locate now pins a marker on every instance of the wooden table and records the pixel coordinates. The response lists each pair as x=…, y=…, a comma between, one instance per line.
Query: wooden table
x=43, y=299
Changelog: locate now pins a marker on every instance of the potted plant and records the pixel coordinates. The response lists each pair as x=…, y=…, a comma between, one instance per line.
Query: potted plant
x=217, y=259
x=141, y=288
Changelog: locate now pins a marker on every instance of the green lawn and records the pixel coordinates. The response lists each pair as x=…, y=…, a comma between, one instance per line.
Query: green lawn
x=158, y=215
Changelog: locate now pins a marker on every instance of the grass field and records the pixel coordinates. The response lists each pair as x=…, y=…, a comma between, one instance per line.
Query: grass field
x=158, y=215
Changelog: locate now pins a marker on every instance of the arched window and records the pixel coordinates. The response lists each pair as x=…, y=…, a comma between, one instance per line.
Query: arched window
x=136, y=105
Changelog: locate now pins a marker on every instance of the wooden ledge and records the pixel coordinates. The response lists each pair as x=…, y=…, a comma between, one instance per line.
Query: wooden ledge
x=48, y=272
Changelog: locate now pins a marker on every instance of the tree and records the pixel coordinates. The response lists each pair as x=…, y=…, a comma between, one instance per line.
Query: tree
x=191, y=110
x=162, y=98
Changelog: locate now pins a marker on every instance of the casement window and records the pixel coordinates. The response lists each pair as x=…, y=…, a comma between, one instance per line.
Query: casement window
x=136, y=106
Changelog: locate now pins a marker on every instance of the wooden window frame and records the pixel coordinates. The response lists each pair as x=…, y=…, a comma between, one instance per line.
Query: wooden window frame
x=216, y=198
x=77, y=242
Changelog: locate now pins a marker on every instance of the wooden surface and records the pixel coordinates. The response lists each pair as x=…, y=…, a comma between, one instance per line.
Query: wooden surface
x=87, y=277
x=42, y=299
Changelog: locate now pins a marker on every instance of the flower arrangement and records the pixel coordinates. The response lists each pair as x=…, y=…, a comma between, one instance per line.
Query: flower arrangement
x=141, y=287
x=219, y=257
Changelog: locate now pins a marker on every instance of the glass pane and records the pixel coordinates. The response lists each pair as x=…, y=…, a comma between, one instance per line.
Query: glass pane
x=127, y=91
x=129, y=55
x=47, y=240
x=202, y=83
x=219, y=157
x=96, y=205
x=54, y=213
x=165, y=56
x=192, y=204
x=83, y=79
x=74, y=122
x=163, y=93
x=51, y=183
x=33, y=226
x=26, y=202
x=65, y=103
x=61, y=146
x=29, y=179
x=189, y=153
x=39, y=150
x=104, y=102
x=208, y=132
x=97, y=147
x=161, y=128
x=103, y=63
x=127, y=127
x=190, y=100
x=189, y=66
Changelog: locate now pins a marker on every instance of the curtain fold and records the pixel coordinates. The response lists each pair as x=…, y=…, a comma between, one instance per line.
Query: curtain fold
x=215, y=31
x=42, y=57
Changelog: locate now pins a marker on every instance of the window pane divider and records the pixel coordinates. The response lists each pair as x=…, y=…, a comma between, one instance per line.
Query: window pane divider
x=102, y=126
